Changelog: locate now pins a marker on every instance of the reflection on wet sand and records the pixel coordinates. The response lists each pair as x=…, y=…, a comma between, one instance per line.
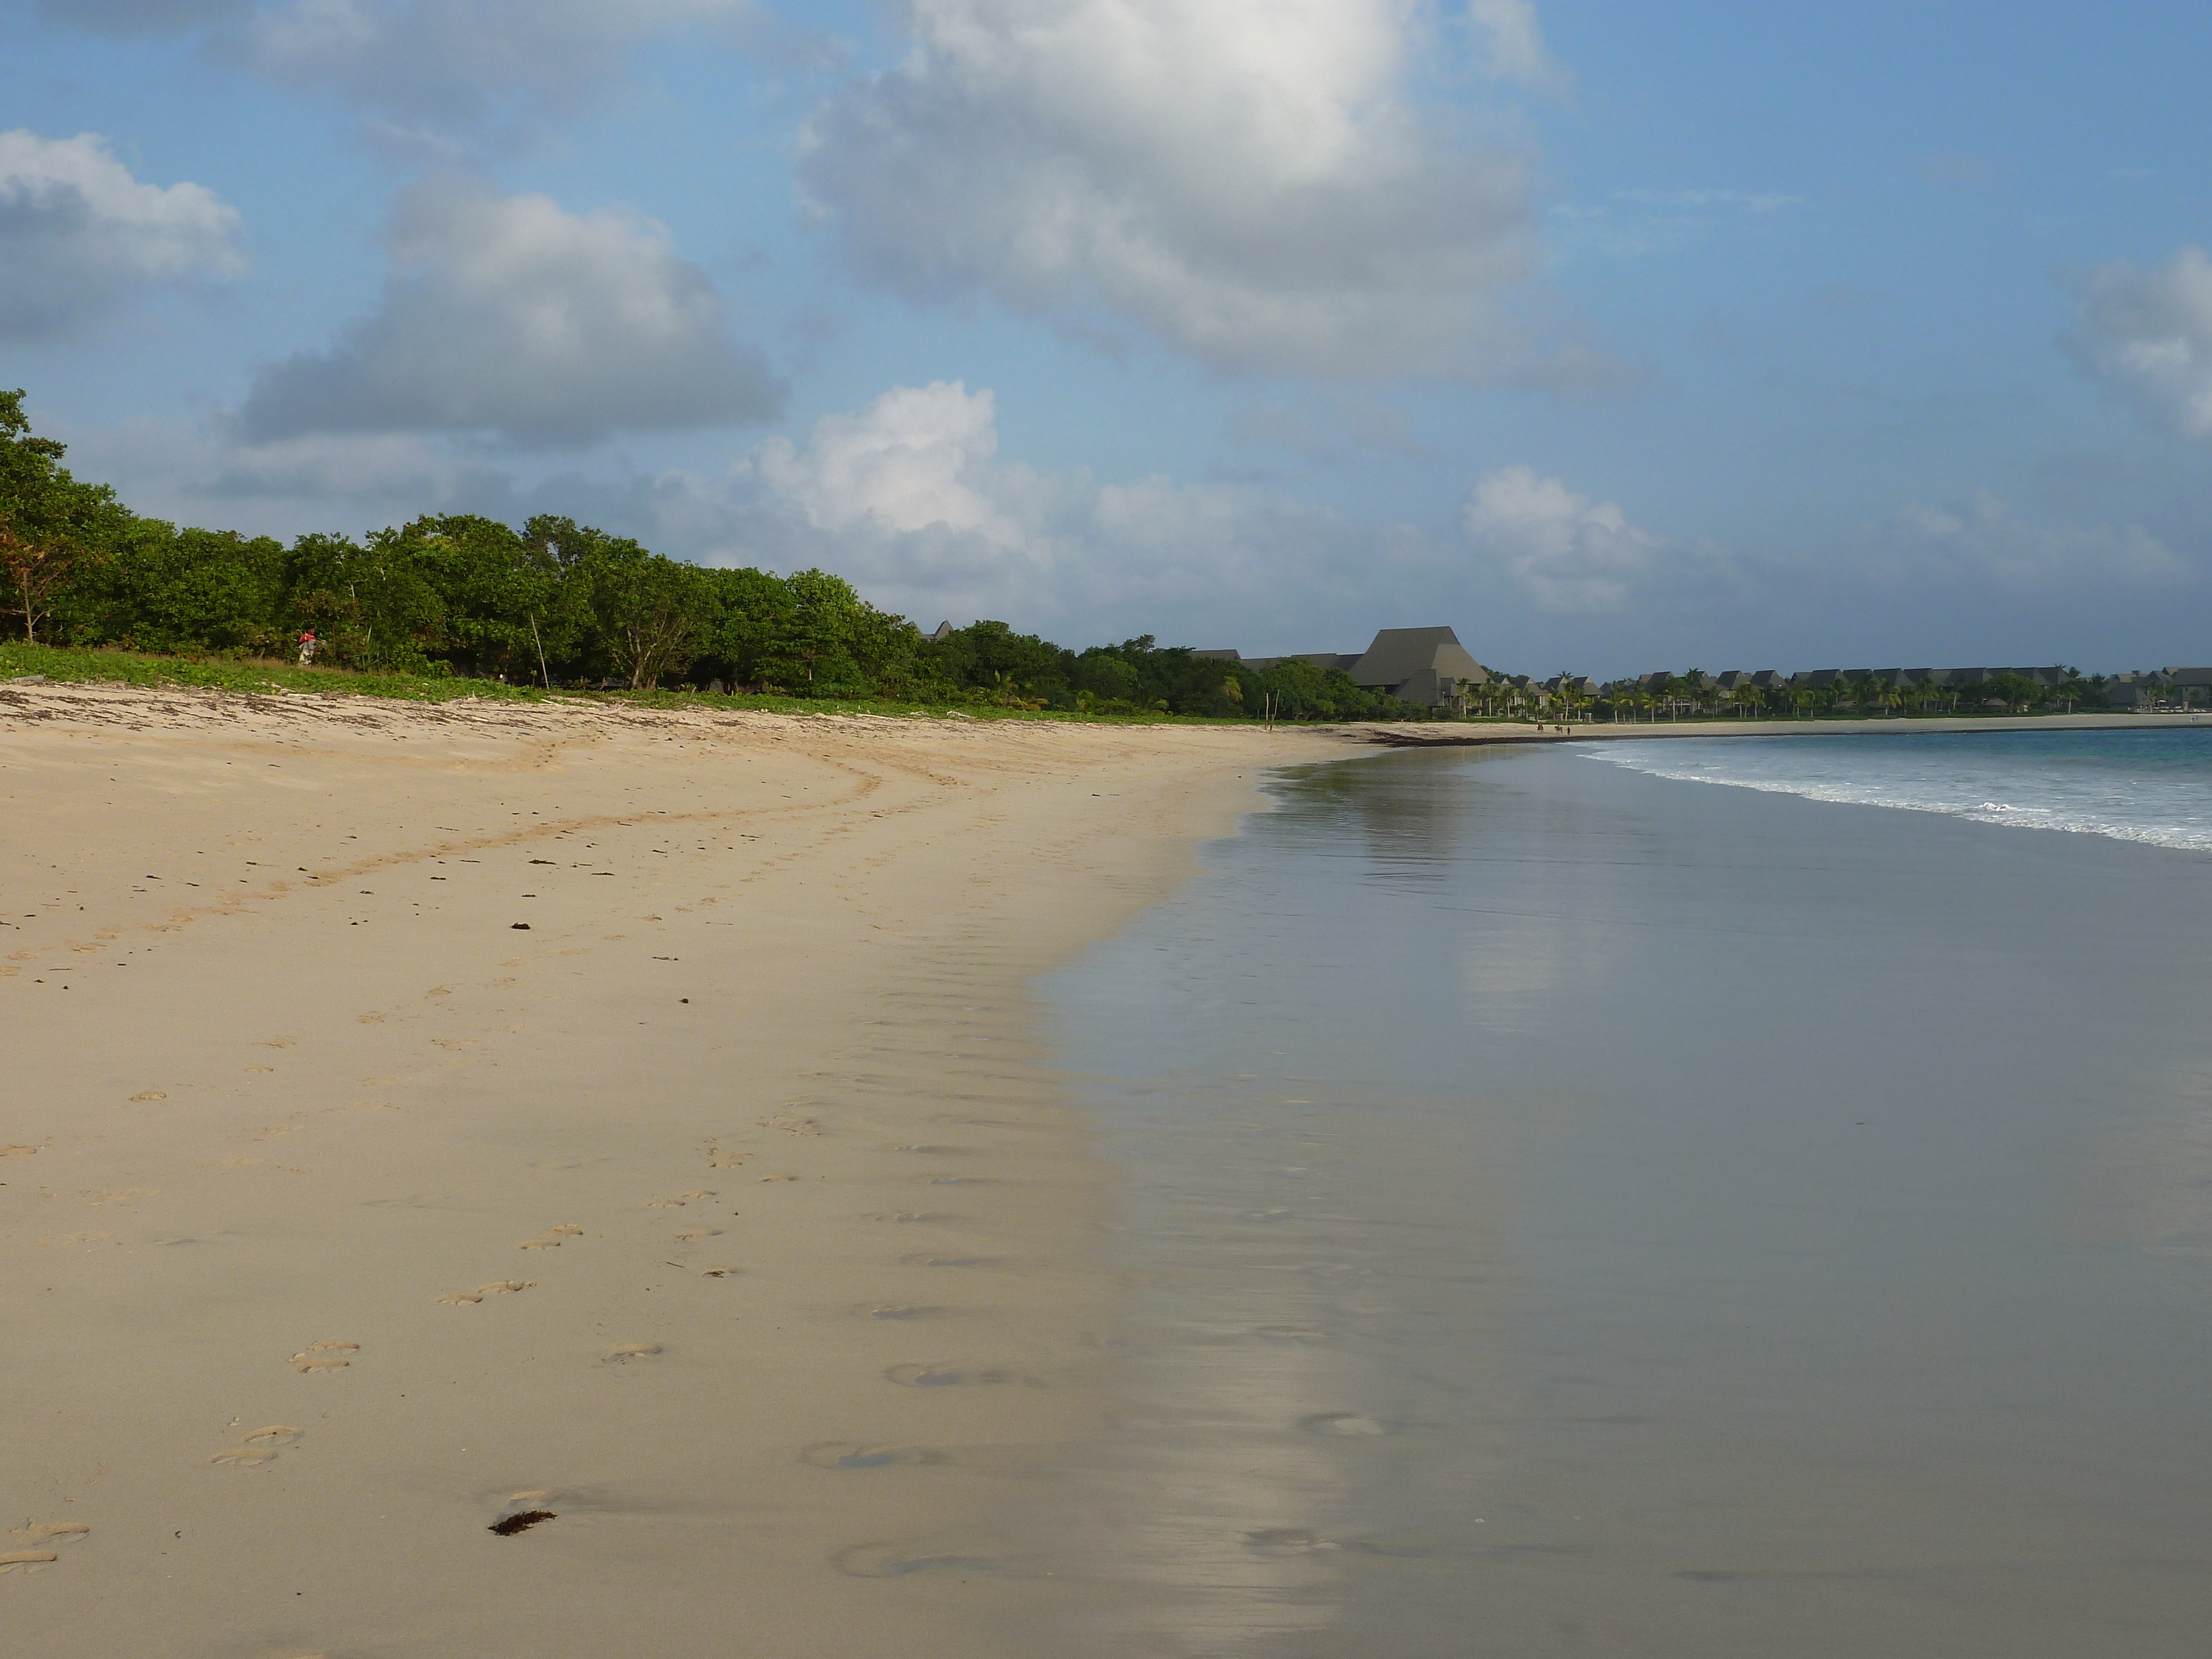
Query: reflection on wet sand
x=1567, y=1212
x=1222, y=1511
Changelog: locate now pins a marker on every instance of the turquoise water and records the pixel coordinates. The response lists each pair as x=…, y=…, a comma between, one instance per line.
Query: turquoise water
x=2152, y=785
x=1568, y=1211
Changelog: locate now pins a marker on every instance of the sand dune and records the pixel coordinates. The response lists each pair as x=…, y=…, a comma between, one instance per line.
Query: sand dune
x=523, y=1180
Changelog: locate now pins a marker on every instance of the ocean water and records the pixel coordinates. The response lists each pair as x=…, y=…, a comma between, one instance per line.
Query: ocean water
x=1570, y=1211
x=2153, y=785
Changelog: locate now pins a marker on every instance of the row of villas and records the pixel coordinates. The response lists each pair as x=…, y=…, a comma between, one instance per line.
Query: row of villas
x=2161, y=687
x=1429, y=666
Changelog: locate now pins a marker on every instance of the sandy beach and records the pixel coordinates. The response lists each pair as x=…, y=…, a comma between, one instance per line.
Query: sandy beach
x=418, y=1120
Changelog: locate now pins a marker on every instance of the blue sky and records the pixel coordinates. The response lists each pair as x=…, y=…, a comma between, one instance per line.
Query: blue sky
x=1722, y=335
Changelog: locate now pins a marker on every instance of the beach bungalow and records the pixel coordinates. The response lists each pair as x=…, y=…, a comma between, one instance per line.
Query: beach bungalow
x=1427, y=666
x=2191, y=688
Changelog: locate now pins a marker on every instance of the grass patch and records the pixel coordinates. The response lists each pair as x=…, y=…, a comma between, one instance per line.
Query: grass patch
x=269, y=676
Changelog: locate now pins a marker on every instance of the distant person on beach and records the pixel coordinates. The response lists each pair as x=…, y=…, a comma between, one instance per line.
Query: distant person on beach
x=307, y=643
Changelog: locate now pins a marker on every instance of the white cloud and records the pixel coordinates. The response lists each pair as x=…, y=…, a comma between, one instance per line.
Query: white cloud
x=1565, y=551
x=2146, y=336
x=917, y=459
x=1247, y=180
x=79, y=235
x=908, y=497
x=1515, y=42
x=506, y=314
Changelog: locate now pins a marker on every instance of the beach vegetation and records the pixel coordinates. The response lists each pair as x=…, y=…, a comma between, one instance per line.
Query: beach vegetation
x=461, y=605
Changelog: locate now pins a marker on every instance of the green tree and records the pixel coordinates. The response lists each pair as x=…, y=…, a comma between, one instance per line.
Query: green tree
x=164, y=589
x=817, y=645
x=651, y=614
x=755, y=614
x=491, y=587
x=52, y=527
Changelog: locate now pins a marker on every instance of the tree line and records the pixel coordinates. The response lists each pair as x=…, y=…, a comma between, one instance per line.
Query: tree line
x=1696, y=693
x=558, y=604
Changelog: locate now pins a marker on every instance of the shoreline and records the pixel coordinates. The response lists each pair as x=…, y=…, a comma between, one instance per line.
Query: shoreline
x=1451, y=736
x=712, y=1032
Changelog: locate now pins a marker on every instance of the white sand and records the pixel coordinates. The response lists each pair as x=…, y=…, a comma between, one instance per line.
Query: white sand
x=290, y=1104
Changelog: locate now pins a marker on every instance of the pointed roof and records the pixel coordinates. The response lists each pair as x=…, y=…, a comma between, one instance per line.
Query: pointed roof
x=1399, y=653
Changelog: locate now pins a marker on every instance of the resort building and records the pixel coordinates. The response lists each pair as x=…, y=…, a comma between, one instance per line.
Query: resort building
x=1425, y=665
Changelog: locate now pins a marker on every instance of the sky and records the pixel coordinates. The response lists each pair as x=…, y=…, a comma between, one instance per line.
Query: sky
x=1711, y=335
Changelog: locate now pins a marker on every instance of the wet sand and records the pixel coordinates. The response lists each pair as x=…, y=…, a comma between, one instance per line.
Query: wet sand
x=1574, y=1212
x=419, y=1120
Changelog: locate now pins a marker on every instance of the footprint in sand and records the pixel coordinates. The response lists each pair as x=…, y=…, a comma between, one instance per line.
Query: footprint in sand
x=26, y=1560
x=622, y=1352
x=693, y=1235
x=851, y=1454
x=258, y=1449
x=150, y=1094
x=1350, y=1426
x=497, y=1287
x=40, y=1534
x=679, y=1201
x=937, y=1259
x=19, y=1152
x=551, y=1239
x=720, y=1273
x=897, y=1560
x=952, y=1377
x=324, y=1356
x=721, y=1158
x=792, y=1126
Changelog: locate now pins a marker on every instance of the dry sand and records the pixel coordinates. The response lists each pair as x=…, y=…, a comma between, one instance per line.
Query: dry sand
x=418, y=1117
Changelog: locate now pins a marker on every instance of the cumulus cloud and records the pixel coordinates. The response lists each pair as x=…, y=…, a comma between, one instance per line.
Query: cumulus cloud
x=908, y=497
x=509, y=315
x=1247, y=181
x=917, y=459
x=1565, y=551
x=2146, y=336
x=79, y=235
